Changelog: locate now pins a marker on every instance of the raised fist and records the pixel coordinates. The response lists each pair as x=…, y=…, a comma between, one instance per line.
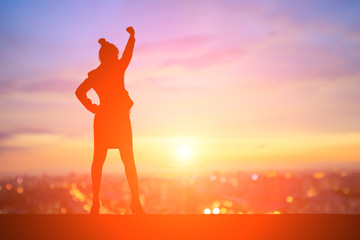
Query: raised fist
x=130, y=30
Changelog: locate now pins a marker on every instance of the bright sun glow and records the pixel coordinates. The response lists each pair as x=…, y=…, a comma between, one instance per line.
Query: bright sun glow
x=184, y=152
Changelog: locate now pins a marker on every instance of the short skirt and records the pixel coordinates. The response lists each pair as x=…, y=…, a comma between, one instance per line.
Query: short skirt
x=112, y=129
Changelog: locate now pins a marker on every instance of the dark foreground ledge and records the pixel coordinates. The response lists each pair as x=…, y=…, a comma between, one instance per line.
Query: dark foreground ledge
x=180, y=227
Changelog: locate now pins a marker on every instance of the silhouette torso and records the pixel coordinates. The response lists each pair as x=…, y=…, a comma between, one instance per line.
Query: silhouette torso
x=112, y=126
x=108, y=83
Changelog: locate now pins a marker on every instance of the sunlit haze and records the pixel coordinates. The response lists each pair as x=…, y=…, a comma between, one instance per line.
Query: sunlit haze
x=217, y=85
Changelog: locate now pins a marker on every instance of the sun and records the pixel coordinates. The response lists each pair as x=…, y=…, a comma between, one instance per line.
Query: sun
x=184, y=152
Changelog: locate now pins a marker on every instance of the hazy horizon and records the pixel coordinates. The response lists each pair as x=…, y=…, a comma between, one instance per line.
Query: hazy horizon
x=115, y=167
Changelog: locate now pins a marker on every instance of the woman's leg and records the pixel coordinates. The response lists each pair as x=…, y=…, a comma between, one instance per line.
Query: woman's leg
x=96, y=171
x=127, y=157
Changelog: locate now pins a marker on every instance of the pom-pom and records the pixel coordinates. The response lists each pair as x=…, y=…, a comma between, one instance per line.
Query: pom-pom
x=102, y=41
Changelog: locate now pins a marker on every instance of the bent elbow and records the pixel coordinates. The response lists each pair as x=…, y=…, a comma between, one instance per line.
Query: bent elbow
x=78, y=93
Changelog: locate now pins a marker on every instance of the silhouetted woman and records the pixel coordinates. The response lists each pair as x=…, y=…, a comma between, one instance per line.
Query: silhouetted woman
x=112, y=127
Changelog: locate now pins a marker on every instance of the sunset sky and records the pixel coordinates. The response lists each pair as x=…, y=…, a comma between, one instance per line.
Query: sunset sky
x=217, y=85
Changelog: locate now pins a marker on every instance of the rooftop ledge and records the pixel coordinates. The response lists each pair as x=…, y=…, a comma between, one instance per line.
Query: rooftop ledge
x=286, y=226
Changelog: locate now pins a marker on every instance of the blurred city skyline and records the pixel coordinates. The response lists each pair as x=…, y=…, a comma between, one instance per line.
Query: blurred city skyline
x=252, y=192
x=217, y=85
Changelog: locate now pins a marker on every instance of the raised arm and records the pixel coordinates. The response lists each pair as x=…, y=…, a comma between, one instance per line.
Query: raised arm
x=128, y=52
x=81, y=92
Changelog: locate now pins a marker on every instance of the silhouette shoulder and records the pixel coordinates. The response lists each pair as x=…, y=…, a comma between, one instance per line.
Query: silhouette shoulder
x=92, y=73
x=121, y=63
